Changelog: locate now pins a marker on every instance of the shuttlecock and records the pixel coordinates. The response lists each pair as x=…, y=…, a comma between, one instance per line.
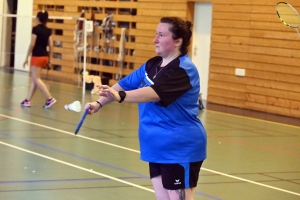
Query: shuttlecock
x=75, y=106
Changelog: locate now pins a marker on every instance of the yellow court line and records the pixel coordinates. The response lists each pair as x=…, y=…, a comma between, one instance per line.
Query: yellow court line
x=260, y=120
x=135, y=151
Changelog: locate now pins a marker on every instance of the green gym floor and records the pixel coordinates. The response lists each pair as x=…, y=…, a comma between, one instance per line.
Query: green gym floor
x=41, y=158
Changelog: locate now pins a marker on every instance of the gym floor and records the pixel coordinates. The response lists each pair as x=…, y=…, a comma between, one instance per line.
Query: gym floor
x=41, y=158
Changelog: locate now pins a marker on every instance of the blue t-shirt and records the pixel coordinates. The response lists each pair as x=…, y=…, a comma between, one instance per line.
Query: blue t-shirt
x=169, y=130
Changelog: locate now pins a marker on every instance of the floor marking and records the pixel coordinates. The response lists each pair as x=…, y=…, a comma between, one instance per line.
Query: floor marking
x=78, y=167
x=128, y=149
x=253, y=182
x=70, y=133
x=261, y=120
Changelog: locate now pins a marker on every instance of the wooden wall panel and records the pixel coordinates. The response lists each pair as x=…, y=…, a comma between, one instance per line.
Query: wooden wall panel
x=162, y=6
x=141, y=32
x=249, y=35
x=245, y=34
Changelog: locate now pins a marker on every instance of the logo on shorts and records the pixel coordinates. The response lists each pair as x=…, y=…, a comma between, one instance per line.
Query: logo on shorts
x=177, y=182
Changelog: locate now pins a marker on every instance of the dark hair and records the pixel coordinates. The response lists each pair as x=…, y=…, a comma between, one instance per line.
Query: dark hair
x=180, y=29
x=43, y=17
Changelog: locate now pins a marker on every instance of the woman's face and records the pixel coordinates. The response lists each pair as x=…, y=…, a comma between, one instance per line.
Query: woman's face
x=164, y=43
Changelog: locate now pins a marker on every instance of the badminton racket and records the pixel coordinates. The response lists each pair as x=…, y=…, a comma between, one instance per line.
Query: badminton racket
x=81, y=121
x=288, y=15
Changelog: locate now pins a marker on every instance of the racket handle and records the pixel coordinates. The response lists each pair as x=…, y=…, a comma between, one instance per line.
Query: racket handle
x=81, y=120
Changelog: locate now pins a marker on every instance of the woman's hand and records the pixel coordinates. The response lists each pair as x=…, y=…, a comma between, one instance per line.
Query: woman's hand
x=109, y=92
x=25, y=63
x=93, y=107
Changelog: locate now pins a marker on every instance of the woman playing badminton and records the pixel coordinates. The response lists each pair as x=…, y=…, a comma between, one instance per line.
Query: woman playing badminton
x=166, y=88
x=40, y=39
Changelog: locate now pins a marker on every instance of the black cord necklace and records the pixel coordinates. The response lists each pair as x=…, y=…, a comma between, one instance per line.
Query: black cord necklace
x=156, y=71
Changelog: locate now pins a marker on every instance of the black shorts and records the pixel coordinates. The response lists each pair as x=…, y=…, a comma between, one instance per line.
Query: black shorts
x=176, y=176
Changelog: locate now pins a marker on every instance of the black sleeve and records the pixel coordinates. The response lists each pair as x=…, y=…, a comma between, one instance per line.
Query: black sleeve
x=50, y=31
x=34, y=30
x=174, y=83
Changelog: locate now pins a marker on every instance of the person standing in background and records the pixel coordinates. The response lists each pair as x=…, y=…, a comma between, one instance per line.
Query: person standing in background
x=40, y=39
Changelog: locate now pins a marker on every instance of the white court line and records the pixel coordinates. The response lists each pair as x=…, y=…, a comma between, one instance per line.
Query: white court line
x=78, y=167
x=253, y=182
x=128, y=149
x=66, y=132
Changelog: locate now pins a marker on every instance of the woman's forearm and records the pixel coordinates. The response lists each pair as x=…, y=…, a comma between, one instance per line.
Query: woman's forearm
x=108, y=99
x=29, y=52
x=141, y=95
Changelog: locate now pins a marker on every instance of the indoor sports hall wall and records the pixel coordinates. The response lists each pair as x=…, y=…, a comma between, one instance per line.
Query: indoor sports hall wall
x=245, y=34
x=249, y=35
x=139, y=17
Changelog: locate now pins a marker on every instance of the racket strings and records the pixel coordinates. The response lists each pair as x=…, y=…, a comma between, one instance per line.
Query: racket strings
x=288, y=15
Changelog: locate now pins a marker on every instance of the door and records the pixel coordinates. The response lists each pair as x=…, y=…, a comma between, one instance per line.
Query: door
x=201, y=43
x=23, y=33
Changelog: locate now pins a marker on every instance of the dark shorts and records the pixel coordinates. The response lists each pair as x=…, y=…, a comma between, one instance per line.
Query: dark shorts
x=176, y=176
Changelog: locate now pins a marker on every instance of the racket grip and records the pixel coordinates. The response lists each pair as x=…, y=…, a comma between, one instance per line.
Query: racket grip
x=81, y=121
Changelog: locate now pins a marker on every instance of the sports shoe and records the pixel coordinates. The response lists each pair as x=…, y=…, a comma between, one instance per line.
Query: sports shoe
x=49, y=102
x=25, y=103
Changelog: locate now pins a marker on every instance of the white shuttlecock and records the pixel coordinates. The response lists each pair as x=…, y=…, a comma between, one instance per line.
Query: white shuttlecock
x=75, y=106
